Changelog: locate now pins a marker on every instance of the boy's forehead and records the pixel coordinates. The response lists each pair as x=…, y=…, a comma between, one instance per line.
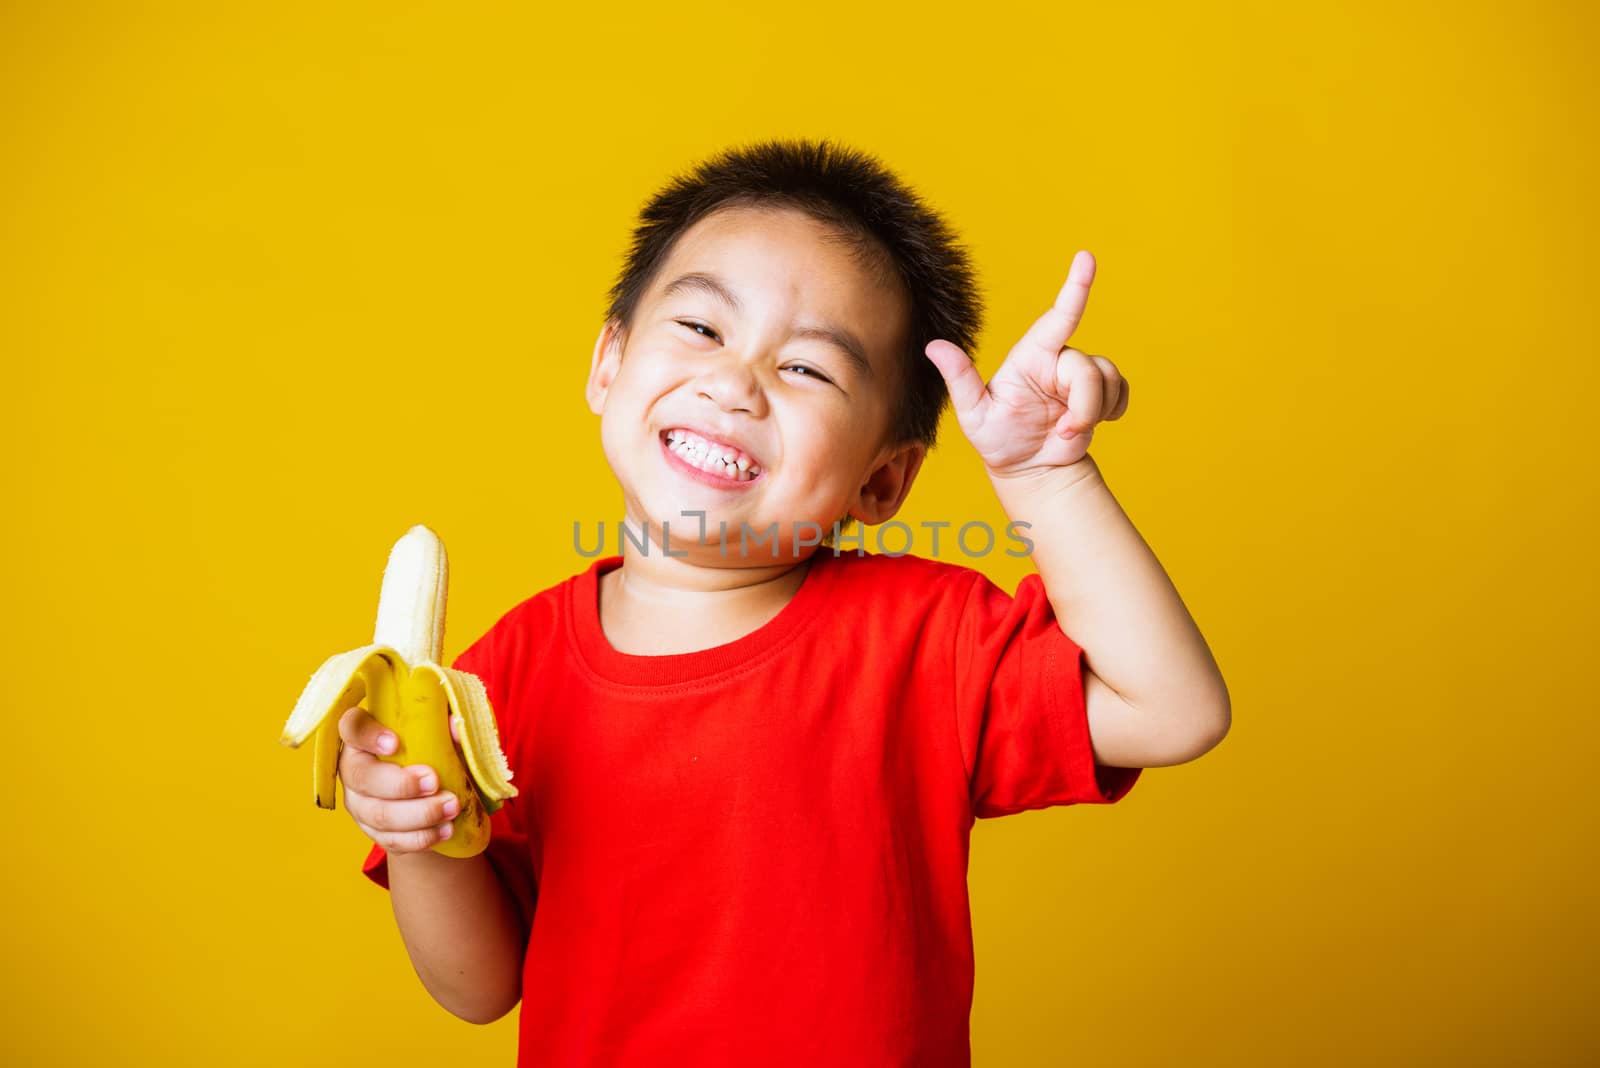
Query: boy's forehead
x=792, y=259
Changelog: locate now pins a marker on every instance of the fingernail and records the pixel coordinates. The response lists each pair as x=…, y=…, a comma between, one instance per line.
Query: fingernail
x=451, y=807
x=386, y=743
x=445, y=829
x=427, y=783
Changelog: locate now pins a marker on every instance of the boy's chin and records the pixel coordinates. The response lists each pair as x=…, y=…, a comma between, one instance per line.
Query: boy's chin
x=748, y=544
x=727, y=537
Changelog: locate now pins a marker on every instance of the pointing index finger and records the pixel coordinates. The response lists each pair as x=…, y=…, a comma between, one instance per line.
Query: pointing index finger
x=1074, y=293
x=1056, y=326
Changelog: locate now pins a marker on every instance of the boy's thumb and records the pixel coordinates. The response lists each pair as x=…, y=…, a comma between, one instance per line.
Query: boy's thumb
x=960, y=374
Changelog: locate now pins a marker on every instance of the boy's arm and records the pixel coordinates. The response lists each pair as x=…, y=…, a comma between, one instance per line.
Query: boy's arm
x=462, y=930
x=461, y=924
x=1154, y=694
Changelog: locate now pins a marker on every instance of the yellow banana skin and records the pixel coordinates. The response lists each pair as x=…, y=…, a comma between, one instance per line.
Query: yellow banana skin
x=399, y=681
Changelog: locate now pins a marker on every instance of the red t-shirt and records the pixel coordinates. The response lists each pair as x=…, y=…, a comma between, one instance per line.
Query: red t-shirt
x=757, y=853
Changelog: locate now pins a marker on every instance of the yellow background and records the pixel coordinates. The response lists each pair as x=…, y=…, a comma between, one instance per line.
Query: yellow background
x=278, y=281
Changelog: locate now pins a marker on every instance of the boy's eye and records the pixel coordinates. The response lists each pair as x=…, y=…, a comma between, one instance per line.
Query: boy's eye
x=811, y=372
x=697, y=327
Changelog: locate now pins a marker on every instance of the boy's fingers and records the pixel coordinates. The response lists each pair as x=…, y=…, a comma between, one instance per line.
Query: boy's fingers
x=359, y=729
x=1074, y=295
x=1118, y=402
x=366, y=774
x=1080, y=380
x=403, y=816
x=1115, y=386
x=1051, y=331
x=406, y=841
x=960, y=374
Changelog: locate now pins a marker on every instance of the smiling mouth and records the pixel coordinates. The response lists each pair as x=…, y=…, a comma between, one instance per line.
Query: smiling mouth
x=703, y=455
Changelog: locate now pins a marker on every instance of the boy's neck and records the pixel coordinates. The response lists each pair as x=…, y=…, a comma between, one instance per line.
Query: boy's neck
x=657, y=606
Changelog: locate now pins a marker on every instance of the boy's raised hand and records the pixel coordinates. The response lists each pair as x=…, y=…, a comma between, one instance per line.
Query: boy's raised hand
x=1039, y=410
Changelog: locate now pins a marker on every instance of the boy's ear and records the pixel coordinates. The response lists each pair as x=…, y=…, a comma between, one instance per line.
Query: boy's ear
x=603, y=365
x=885, y=489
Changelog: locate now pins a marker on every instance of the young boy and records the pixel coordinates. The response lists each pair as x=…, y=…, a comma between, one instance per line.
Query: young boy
x=749, y=765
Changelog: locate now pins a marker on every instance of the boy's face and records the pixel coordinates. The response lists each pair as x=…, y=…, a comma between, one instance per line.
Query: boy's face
x=803, y=421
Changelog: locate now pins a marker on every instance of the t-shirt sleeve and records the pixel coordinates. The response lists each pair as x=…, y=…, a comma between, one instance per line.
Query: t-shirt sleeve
x=508, y=850
x=1020, y=706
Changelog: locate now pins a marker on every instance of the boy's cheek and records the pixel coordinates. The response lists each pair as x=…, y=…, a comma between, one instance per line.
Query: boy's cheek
x=614, y=451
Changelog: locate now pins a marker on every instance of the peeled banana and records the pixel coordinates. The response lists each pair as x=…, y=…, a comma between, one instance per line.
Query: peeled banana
x=399, y=680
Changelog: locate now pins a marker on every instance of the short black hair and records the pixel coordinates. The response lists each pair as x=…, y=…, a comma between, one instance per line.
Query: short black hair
x=890, y=228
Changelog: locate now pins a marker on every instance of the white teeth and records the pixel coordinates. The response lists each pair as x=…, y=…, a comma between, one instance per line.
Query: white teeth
x=717, y=459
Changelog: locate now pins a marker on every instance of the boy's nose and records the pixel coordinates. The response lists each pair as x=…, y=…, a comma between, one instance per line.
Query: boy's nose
x=732, y=386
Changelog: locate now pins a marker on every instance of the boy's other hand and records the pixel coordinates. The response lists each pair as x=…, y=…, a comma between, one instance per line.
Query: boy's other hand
x=1039, y=410
x=396, y=806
